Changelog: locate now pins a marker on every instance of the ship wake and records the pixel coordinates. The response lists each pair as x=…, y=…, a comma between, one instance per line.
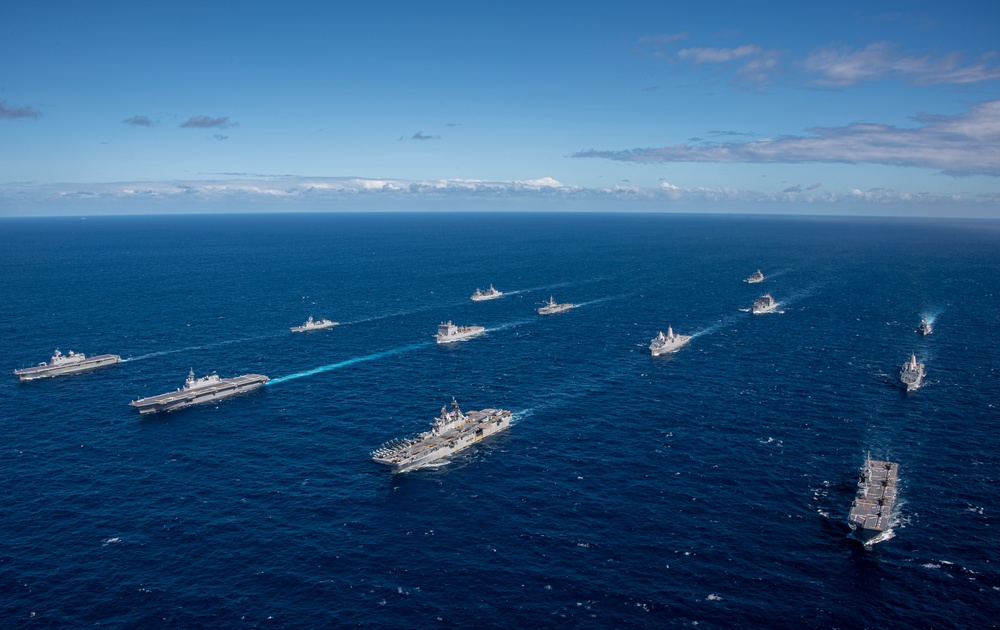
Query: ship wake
x=348, y=362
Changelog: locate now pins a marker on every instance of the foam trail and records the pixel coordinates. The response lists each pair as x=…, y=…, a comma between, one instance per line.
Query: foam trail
x=519, y=322
x=932, y=315
x=603, y=299
x=722, y=322
x=558, y=285
x=348, y=362
x=190, y=348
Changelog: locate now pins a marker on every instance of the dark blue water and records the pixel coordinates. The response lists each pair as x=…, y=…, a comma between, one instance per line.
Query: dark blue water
x=708, y=487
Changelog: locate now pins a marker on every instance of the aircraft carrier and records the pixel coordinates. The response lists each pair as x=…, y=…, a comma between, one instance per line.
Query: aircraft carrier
x=197, y=391
x=872, y=508
x=61, y=364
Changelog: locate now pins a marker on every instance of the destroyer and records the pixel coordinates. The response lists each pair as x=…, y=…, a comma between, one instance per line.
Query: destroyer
x=755, y=277
x=450, y=432
x=551, y=307
x=669, y=342
x=491, y=294
x=70, y=363
x=314, y=324
x=449, y=332
x=872, y=508
x=925, y=327
x=200, y=390
x=764, y=304
x=912, y=374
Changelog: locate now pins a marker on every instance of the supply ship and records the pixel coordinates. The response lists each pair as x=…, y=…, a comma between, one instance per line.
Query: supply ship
x=912, y=374
x=449, y=332
x=313, y=324
x=670, y=342
x=551, y=307
x=872, y=508
x=491, y=294
x=199, y=391
x=764, y=304
x=755, y=277
x=61, y=364
x=450, y=433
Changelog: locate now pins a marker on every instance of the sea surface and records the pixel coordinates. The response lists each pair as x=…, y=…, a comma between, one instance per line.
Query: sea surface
x=710, y=487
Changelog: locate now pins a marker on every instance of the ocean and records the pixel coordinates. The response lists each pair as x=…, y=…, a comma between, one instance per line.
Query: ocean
x=709, y=487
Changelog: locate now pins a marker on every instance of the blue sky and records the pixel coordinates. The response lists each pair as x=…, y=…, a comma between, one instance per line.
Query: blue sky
x=889, y=108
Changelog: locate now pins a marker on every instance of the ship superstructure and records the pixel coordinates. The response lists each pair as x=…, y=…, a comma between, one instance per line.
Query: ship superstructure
x=670, y=342
x=912, y=374
x=314, y=324
x=871, y=511
x=70, y=363
x=764, y=304
x=450, y=432
x=450, y=333
x=197, y=391
x=490, y=294
x=755, y=277
x=925, y=326
x=551, y=307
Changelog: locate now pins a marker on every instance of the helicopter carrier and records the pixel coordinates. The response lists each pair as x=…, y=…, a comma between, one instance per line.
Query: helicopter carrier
x=450, y=432
x=670, y=342
x=197, y=391
x=61, y=364
x=871, y=511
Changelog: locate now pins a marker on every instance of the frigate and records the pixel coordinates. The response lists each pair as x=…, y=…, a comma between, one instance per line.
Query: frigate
x=670, y=342
x=197, y=391
x=871, y=512
x=61, y=364
x=912, y=374
x=313, y=324
x=551, y=307
x=491, y=294
x=449, y=332
x=925, y=327
x=755, y=277
x=450, y=432
x=764, y=304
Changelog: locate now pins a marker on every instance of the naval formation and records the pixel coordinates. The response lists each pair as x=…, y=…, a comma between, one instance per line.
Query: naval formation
x=870, y=515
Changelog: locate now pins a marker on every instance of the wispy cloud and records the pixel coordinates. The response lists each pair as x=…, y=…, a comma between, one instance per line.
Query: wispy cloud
x=140, y=121
x=844, y=66
x=966, y=144
x=7, y=111
x=420, y=135
x=207, y=122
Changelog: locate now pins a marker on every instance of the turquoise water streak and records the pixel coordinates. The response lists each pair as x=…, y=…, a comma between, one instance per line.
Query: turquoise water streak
x=349, y=362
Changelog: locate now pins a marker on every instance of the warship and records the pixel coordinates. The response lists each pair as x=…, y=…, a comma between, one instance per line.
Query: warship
x=70, y=363
x=669, y=342
x=491, y=294
x=314, y=324
x=925, y=327
x=755, y=277
x=872, y=508
x=197, y=391
x=551, y=307
x=912, y=374
x=764, y=304
x=450, y=432
x=449, y=332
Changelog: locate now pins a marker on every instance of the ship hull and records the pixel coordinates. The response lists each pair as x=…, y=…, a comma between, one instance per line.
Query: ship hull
x=547, y=310
x=463, y=336
x=305, y=329
x=180, y=399
x=483, y=298
x=670, y=349
x=50, y=371
x=425, y=453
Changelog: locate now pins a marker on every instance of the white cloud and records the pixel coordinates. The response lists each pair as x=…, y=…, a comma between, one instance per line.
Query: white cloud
x=844, y=66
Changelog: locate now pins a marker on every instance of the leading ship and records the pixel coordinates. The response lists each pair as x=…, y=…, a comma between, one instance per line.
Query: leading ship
x=912, y=374
x=670, y=342
x=197, y=391
x=755, y=277
x=61, y=364
x=314, y=324
x=450, y=432
x=871, y=511
x=449, y=332
x=491, y=294
x=925, y=327
x=551, y=307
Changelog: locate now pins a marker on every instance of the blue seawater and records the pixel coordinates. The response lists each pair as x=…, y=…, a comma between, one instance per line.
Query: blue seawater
x=710, y=486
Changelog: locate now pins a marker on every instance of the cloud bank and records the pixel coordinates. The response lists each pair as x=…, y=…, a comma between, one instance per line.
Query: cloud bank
x=140, y=121
x=7, y=111
x=207, y=122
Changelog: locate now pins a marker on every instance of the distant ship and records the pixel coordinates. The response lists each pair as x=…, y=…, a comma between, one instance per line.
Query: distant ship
x=755, y=277
x=450, y=432
x=925, y=327
x=669, y=342
x=491, y=294
x=912, y=374
x=313, y=324
x=61, y=364
x=198, y=391
x=551, y=307
x=872, y=508
x=764, y=304
x=449, y=332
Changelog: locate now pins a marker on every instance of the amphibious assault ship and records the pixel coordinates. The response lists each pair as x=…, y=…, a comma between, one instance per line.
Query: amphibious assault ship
x=313, y=324
x=197, y=391
x=755, y=277
x=764, y=304
x=450, y=432
x=669, y=342
x=872, y=508
x=449, y=332
x=912, y=374
x=491, y=294
x=61, y=364
x=551, y=307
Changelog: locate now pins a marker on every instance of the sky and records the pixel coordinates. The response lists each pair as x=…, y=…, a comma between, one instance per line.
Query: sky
x=853, y=108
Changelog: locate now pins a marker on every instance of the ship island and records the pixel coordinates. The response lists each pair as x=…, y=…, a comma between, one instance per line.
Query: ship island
x=912, y=374
x=551, y=307
x=871, y=512
x=197, y=391
x=764, y=304
x=450, y=333
x=755, y=277
x=670, y=342
x=490, y=294
x=450, y=432
x=61, y=364
x=314, y=324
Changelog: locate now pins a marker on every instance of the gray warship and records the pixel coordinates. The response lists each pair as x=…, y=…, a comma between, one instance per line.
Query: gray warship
x=670, y=342
x=912, y=374
x=755, y=277
x=449, y=332
x=925, y=327
x=764, y=304
x=491, y=294
x=314, y=324
x=197, y=391
x=61, y=364
x=871, y=511
x=551, y=307
x=450, y=432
